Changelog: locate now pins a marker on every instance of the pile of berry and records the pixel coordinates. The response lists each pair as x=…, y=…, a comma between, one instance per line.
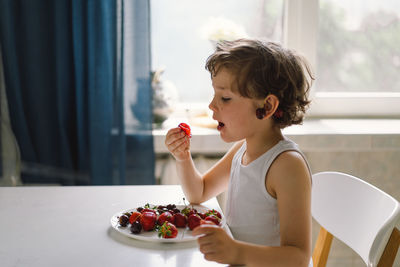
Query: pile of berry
x=166, y=219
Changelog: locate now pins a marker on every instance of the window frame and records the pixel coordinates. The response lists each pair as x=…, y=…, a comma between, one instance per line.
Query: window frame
x=301, y=34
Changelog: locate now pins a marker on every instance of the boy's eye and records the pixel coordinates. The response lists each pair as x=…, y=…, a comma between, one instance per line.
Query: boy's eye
x=225, y=99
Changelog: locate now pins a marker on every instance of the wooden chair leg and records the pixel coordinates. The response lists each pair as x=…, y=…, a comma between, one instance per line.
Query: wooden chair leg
x=322, y=248
x=389, y=254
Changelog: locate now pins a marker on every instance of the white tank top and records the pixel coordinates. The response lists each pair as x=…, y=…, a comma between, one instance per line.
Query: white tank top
x=251, y=212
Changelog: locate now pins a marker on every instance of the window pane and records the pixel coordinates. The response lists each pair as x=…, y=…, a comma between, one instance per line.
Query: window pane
x=359, y=46
x=183, y=33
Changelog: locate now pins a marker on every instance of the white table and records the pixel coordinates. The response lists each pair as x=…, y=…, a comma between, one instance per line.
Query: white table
x=70, y=226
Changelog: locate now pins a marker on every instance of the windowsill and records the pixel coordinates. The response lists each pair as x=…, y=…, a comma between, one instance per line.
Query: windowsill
x=313, y=135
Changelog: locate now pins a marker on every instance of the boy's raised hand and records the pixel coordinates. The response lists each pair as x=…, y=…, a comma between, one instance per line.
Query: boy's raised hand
x=178, y=143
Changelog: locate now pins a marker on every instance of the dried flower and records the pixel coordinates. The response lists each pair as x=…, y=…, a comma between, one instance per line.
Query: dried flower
x=218, y=29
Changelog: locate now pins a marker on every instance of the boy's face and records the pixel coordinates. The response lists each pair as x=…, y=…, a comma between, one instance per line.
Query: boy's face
x=236, y=115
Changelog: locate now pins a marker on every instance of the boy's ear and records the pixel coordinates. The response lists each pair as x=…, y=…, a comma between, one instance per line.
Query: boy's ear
x=271, y=103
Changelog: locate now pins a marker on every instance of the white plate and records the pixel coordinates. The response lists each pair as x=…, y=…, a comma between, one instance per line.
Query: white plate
x=184, y=234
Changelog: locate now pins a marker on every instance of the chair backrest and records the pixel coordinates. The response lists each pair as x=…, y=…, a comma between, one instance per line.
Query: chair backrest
x=354, y=211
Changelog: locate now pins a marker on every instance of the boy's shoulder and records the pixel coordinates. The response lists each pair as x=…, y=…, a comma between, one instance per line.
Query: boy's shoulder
x=290, y=157
x=289, y=162
x=288, y=169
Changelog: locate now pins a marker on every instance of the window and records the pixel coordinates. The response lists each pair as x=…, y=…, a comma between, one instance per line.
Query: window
x=353, y=46
x=361, y=55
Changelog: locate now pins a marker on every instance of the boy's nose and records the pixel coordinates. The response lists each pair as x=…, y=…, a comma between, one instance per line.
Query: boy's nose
x=211, y=105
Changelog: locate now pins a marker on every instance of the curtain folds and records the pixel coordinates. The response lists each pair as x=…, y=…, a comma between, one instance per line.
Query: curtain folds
x=94, y=52
x=64, y=70
x=10, y=160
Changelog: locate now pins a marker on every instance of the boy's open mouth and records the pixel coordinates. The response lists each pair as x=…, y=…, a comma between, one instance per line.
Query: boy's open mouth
x=220, y=126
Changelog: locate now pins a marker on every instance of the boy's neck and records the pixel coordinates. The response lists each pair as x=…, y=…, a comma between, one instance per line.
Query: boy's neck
x=258, y=145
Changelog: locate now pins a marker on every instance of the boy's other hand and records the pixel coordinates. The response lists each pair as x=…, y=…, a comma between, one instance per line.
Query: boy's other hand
x=216, y=244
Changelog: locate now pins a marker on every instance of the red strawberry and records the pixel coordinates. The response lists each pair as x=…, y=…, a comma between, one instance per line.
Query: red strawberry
x=180, y=220
x=194, y=221
x=192, y=211
x=202, y=215
x=148, y=220
x=213, y=219
x=214, y=212
x=189, y=211
x=135, y=216
x=166, y=216
x=148, y=210
x=185, y=128
x=168, y=230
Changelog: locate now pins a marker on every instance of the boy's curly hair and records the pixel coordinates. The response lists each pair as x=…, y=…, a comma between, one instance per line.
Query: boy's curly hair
x=264, y=68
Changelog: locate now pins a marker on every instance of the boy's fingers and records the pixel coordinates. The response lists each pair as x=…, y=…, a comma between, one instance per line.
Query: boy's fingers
x=173, y=137
x=204, y=230
x=207, y=248
x=179, y=145
x=174, y=130
x=173, y=143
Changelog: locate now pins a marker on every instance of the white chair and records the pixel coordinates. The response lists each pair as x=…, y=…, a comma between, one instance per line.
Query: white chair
x=360, y=215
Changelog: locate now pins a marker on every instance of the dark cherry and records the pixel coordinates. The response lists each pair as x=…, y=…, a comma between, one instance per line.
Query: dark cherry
x=176, y=210
x=136, y=227
x=171, y=206
x=123, y=220
x=260, y=113
x=162, y=210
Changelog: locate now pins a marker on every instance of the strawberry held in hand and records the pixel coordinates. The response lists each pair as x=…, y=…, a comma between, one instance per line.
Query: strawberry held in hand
x=186, y=128
x=168, y=230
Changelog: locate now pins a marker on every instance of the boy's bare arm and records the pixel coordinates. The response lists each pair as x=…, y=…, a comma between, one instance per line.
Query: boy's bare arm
x=216, y=179
x=197, y=187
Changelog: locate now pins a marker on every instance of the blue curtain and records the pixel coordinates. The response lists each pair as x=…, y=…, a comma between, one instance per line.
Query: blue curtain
x=64, y=74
